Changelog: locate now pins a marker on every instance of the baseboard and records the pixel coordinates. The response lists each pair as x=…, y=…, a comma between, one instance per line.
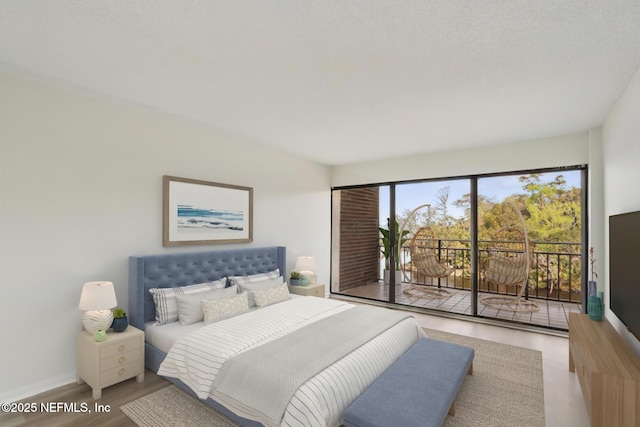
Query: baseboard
x=31, y=390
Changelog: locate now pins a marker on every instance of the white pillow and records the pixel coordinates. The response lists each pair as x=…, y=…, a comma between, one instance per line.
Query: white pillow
x=259, y=286
x=224, y=308
x=236, y=280
x=190, y=309
x=271, y=296
x=165, y=298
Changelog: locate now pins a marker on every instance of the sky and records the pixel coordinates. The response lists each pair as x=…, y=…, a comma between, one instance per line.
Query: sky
x=411, y=195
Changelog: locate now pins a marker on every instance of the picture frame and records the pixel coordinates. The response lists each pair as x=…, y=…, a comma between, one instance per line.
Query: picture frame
x=199, y=212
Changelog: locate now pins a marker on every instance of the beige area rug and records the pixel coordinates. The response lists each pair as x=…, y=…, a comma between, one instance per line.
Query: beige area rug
x=506, y=389
x=171, y=406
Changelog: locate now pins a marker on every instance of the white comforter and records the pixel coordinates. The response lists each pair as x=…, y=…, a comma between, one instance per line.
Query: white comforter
x=196, y=359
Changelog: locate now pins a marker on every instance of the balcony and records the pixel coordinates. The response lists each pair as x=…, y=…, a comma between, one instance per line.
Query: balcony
x=554, y=283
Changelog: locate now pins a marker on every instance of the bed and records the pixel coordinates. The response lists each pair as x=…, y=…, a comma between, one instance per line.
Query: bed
x=322, y=398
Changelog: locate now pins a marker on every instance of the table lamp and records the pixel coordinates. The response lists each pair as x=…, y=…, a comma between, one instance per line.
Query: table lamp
x=306, y=266
x=97, y=298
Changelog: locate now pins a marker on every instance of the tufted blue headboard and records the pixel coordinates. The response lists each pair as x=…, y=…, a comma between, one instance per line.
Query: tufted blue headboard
x=181, y=269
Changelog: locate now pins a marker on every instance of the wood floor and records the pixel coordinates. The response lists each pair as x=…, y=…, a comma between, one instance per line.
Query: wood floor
x=79, y=394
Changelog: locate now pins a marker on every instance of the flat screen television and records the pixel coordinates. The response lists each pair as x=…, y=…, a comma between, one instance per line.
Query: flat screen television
x=624, y=269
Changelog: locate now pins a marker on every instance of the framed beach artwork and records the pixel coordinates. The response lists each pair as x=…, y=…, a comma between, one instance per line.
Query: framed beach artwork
x=200, y=212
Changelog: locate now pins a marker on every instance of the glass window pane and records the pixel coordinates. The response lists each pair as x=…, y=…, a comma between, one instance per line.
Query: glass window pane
x=435, y=248
x=550, y=206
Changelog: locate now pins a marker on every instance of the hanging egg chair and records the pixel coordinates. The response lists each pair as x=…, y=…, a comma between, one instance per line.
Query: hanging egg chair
x=509, y=261
x=426, y=261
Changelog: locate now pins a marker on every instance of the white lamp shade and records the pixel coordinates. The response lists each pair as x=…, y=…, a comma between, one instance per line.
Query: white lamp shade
x=306, y=266
x=98, y=295
x=306, y=263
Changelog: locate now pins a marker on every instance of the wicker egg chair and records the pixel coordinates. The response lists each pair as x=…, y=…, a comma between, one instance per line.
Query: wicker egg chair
x=509, y=262
x=425, y=259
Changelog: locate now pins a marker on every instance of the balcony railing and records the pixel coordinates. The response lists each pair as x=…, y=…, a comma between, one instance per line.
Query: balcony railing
x=555, y=272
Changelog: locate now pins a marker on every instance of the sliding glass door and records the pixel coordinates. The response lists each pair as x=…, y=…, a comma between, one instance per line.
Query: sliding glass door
x=435, y=255
x=548, y=207
x=432, y=244
x=380, y=235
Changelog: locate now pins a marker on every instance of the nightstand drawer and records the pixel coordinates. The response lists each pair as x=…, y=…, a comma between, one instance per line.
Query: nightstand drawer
x=119, y=373
x=314, y=289
x=119, y=347
x=120, y=360
x=317, y=291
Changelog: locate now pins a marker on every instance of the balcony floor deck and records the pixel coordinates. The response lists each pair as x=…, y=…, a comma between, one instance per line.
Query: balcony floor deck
x=553, y=314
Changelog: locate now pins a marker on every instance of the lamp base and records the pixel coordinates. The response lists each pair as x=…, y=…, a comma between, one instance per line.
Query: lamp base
x=97, y=319
x=307, y=278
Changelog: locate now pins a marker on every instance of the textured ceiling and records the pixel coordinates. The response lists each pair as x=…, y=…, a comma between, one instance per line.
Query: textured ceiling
x=341, y=81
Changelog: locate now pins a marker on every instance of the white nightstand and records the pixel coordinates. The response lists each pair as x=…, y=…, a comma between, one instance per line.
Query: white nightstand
x=314, y=289
x=118, y=358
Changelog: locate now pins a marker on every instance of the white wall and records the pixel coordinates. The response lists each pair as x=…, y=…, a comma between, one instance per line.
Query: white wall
x=81, y=191
x=621, y=142
x=596, y=207
x=559, y=151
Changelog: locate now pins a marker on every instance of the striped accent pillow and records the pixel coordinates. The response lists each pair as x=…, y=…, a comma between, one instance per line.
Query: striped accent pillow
x=165, y=298
x=271, y=296
x=239, y=280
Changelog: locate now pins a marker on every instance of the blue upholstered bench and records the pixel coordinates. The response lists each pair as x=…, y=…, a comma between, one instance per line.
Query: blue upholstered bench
x=417, y=390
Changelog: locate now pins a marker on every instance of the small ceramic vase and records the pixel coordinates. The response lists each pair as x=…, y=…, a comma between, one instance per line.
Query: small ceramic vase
x=120, y=324
x=100, y=335
x=595, y=308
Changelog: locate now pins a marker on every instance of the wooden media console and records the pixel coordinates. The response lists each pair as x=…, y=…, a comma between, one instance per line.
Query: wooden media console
x=609, y=372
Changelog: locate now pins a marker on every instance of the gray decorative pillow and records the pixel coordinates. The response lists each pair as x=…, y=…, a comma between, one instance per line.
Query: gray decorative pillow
x=190, y=308
x=271, y=296
x=259, y=286
x=224, y=308
x=165, y=298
